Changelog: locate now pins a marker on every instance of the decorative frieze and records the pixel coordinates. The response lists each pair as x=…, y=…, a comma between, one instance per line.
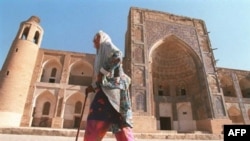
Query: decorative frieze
x=139, y=76
x=138, y=53
x=165, y=17
x=160, y=30
x=139, y=101
x=218, y=106
x=138, y=33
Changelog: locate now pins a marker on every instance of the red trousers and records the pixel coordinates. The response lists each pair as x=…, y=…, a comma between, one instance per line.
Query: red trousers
x=96, y=130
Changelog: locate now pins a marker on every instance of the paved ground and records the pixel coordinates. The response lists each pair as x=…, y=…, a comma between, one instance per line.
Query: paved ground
x=51, y=134
x=14, y=137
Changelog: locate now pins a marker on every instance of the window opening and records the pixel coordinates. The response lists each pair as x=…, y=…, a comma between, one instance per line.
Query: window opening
x=53, y=72
x=78, y=107
x=165, y=123
x=140, y=102
x=25, y=33
x=36, y=37
x=183, y=92
x=160, y=91
x=46, y=108
x=52, y=80
x=247, y=95
x=7, y=73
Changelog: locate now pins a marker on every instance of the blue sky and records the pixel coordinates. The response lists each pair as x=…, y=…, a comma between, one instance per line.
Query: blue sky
x=71, y=24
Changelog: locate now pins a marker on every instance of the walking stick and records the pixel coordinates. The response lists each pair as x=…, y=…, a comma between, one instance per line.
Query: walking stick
x=82, y=114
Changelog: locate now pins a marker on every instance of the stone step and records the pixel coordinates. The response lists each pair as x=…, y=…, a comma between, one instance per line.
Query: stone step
x=173, y=135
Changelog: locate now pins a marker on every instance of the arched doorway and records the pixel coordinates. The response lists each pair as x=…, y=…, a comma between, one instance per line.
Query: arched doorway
x=43, y=111
x=73, y=110
x=185, y=118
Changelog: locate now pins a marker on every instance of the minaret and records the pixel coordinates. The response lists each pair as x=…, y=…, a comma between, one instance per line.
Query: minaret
x=17, y=71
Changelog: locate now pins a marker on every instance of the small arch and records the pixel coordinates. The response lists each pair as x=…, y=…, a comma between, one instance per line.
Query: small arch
x=8, y=72
x=181, y=89
x=36, y=37
x=73, y=108
x=78, y=107
x=80, y=73
x=52, y=78
x=160, y=91
x=43, y=109
x=46, y=108
x=25, y=33
x=77, y=96
x=51, y=71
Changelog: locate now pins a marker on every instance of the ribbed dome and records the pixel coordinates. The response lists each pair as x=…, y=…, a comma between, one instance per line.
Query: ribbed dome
x=171, y=61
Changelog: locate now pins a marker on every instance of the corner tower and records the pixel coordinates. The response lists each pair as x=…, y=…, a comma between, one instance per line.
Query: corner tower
x=17, y=71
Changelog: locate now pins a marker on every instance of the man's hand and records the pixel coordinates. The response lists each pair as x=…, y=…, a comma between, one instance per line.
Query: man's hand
x=89, y=89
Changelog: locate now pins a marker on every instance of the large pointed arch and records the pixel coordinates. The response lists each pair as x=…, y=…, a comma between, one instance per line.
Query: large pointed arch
x=72, y=118
x=171, y=39
x=80, y=73
x=176, y=69
x=172, y=59
x=48, y=67
x=88, y=67
x=43, y=117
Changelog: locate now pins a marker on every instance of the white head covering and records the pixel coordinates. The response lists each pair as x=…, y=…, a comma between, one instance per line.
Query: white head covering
x=105, y=50
x=104, y=37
